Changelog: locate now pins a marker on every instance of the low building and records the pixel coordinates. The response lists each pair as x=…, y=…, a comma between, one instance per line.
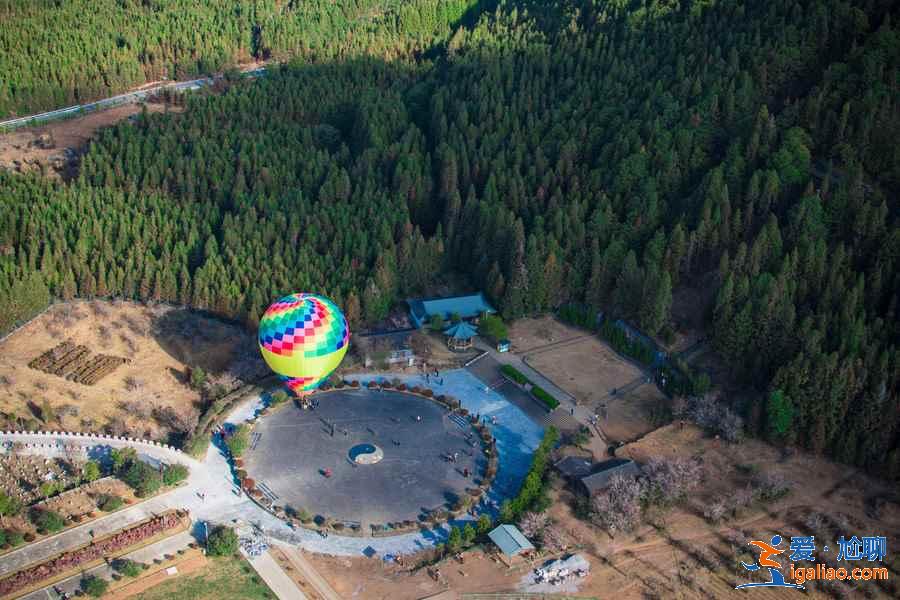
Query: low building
x=511, y=542
x=592, y=477
x=386, y=348
x=460, y=335
x=468, y=307
x=602, y=472
x=574, y=468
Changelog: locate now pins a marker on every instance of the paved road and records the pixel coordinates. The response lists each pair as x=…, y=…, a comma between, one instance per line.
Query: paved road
x=570, y=414
x=126, y=98
x=277, y=580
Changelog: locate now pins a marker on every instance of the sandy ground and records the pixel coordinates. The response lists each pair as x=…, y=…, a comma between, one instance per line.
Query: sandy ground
x=589, y=370
x=160, y=341
x=531, y=333
x=305, y=586
x=22, y=150
x=372, y=579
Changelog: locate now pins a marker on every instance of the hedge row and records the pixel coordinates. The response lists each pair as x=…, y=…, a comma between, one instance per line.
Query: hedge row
x=537, y=391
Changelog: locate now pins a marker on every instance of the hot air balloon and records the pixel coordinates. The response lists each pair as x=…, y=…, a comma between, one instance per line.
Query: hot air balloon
x=303, y=338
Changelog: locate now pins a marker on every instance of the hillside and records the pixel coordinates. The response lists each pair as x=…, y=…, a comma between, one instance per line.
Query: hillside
x=604, y=154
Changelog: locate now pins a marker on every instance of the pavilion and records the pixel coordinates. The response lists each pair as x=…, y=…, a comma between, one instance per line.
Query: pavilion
x=459, y=336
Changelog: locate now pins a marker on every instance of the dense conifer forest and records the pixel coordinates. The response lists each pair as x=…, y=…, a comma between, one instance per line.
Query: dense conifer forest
x=605, y=154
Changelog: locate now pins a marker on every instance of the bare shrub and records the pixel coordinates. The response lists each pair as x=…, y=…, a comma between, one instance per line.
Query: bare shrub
x=6, y=380
x=41, y=386
x=618, y=508
x=713, y=416
x=133, y=384
x=116, y=426
x=136, y=408
x=715, y=511
x=552, y=539
x=68, y=410
x=670, y=480
x=771, y=486
x=167, y=416
x=532, y=524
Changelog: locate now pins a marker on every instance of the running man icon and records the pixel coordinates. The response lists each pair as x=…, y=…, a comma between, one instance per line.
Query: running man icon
x=775, y=575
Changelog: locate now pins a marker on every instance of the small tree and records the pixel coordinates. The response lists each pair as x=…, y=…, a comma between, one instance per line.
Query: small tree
x=279, y=397
x=618, y=508
x=47, y=521
x=143, y=478
x=552, y=539
x=94, y=586
x=454, y=541
x=122, y=457
x=239, y=440
x=49, y=488
x=127, y=567
x=436, y=323
x=779, y=415
x=90, y=471
x=493, y=328
x=223, y=541
x=173, y=474
x=9, y=506
x=198, y=378
x=484, y=525
x=109, y=502
x=469, y=534
x=532, y=524
x=455, y=317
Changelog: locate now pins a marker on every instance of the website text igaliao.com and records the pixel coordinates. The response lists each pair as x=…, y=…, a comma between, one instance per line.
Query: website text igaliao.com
x=821, y=572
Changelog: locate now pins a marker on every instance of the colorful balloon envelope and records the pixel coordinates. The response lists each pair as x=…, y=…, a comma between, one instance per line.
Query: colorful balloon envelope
x=303, y=338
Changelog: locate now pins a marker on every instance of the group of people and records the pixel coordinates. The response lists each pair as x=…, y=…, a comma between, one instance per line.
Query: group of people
x=254, y=545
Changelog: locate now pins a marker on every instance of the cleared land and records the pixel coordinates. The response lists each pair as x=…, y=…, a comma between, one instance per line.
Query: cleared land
x=147, y=397
x=56, y=145
x=220, y=578
x=590, y=370
x=529, y=334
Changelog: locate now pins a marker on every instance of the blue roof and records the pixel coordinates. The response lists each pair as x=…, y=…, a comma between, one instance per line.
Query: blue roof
x=461, y=331
x=510, y=540
x=467, y=307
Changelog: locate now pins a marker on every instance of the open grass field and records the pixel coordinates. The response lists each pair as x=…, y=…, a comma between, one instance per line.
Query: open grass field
x=220, y=578
x=147, y=397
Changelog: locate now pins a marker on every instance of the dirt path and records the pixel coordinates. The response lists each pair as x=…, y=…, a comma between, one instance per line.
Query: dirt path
x=309, y=573
x=283, y=586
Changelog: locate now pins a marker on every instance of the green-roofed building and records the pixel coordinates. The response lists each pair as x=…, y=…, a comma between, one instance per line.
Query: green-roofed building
x=510, y=541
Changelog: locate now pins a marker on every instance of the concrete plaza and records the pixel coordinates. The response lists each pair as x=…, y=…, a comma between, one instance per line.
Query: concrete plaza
x=292, y=447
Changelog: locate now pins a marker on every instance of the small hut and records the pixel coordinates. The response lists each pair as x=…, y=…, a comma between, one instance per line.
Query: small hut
x=511, y=543
x=459, y=336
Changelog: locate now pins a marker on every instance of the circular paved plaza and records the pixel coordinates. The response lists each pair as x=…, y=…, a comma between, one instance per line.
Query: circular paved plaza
x=292, y=450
